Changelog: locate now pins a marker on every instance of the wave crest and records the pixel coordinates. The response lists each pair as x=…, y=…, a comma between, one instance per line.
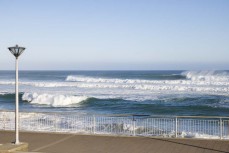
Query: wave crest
x=82, y=79
x=53, y=100
x=209, y=76
x=73, y=78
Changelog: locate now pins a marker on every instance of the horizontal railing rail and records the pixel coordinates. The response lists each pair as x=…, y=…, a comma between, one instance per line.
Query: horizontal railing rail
x=211, y=127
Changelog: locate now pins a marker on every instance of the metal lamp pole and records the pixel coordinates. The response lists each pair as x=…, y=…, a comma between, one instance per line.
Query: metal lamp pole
x=16, y=51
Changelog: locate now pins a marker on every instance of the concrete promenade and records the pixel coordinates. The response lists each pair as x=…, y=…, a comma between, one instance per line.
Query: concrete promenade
x=70, y=143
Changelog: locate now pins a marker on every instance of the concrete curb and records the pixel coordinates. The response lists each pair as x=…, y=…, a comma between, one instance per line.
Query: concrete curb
x=10, y=147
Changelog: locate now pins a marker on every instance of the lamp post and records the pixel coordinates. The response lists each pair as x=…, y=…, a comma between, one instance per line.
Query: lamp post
x=16, y=51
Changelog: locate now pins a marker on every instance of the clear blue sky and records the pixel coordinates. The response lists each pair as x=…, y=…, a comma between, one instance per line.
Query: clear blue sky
x=115, y=34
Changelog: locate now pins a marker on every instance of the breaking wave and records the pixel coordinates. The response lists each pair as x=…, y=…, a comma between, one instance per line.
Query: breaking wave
x=206, y=82
x=209, y=76
x=72, y=78
x=62, y=100
x=53, y=100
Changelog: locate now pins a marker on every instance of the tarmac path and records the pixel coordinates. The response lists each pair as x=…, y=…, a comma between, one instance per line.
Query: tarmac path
x=71, y=143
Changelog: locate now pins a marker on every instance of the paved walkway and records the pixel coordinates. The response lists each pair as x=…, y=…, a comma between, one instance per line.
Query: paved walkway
x=69, y=143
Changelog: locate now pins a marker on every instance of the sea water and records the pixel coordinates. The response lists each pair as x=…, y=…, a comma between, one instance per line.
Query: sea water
x=118, y=92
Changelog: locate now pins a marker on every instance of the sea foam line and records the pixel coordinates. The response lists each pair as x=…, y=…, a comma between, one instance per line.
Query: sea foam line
x=184, y=86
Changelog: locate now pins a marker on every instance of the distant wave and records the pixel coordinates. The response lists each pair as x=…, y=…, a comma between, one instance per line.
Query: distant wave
x=2, y=93
x=39, y=84
x=74, y=78
x=207, y=82
x=208, y=76
x=200, y=82
x=52, y=100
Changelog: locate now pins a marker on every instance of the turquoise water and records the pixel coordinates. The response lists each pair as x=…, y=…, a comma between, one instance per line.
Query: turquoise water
x=119, y=92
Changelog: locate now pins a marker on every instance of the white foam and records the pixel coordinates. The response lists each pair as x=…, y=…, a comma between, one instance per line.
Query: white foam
x=106, y=80
x=216, y=84
x=198, y=135
x=194, y=77
x=41, y=84
x=209, y=76
x=197, y=82
x=205, y=87
x=53, y=100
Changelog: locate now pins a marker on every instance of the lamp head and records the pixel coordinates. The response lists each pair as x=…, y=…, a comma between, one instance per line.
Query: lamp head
x=16, y=50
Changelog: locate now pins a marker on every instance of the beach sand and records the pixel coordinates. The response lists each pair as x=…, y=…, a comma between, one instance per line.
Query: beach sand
x=70, y=143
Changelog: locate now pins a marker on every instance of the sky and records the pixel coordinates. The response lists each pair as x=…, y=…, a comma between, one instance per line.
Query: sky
x=115, y=34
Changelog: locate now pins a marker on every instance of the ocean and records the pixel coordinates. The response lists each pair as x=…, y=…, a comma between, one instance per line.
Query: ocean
x=204, y=93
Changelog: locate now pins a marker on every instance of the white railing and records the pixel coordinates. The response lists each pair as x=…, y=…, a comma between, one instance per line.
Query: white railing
x=130, y=125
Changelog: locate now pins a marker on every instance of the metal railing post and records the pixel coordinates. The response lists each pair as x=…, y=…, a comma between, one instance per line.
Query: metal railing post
x=4, y=121
x=221, y=129
x=134, y=125
x=94, y=124
x=228, y=127
x=55, y=122
x=176, y=127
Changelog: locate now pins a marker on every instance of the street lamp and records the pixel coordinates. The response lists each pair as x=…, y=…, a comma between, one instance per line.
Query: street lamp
x=16, y=51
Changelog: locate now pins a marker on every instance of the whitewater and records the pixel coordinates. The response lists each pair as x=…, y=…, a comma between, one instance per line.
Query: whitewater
x=79, y=99
x=119, y=91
